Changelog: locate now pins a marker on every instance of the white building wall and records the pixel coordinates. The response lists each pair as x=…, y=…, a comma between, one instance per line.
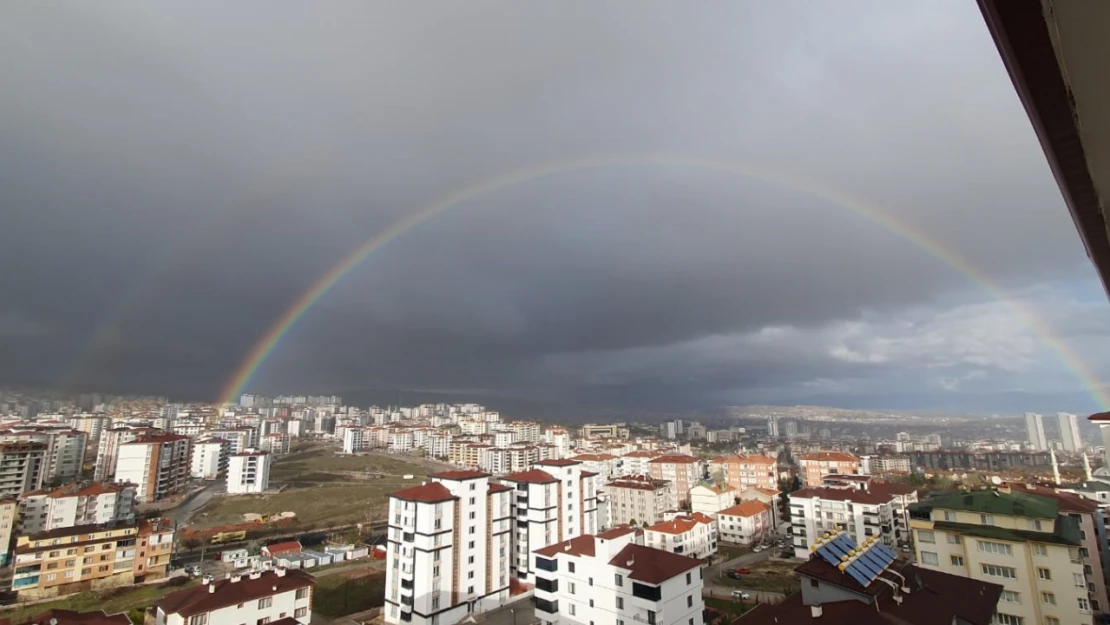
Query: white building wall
x=248, y=473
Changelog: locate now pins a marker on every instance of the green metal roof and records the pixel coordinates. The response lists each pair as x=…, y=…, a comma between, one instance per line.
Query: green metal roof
x=996, y=502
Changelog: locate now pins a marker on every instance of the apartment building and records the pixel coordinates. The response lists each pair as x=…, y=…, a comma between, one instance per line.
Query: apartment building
x=606, y=430
x=694, y=535
x=158, y=464
x=209, y=458
x=238, y=439
x=751, y=471
x=849, y=583
x=449, y=548
x=613, y=578
x=636, y=462
x=607, y=466
x=684, y=472
x=1092, y=530
x=248, y=472
x=884, y=465
x=64, y=458
x=639, y=499
x=277, y=443
x=21, y=468
x=9, y=514
x=863, y=509
x=107, y=454
x=560, y=438
x=279, y=597
x=61, y=561
x=94, y=503
x=1018, y=540
x=813, y=467
x=91, y=424
x=527, y=431
x=709, y=499
x=747, y=523
x=554, y=501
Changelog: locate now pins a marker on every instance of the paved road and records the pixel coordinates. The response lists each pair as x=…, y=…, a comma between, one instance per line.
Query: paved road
x=196, y=501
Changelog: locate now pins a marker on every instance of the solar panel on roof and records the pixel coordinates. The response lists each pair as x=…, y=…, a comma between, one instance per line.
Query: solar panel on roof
x=863, y=581
x=887, y=552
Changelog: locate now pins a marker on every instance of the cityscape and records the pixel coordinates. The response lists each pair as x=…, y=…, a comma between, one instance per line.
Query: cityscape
x=574, y=313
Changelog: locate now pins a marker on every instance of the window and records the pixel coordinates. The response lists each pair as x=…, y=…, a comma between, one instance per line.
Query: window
x=570, y=588
x=570, y=566
x=1084, y=605
x=470, y=574
x=1051, y=620
x=689, y=601
x=620, y=603
x=262, y=621
x=470, y=560
x=591, y=603
x=1084, y=552
x=953, y=539
x=994, y=570
x=688, y=578
x=986, y=519
x=924, y=536
x=301, y=612
x=265, y=602
x=1044, y=573
x=1001, y=549
x=929, y=558
x=591, y=581
x=1040, y=550
x=619, y=579
x=1010, y=596
x=572, y=609
x=301, y=593
x=1007, y=619
x=1033, y=524
x=1048, y=598
x=957, y=560
x=1079, y=580
x=471, y=544
x=472, y=516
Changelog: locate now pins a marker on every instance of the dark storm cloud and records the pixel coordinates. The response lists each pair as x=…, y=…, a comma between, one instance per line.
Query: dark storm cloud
x=176, y=175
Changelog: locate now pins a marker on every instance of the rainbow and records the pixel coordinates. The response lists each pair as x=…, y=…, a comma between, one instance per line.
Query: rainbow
x=283, y=324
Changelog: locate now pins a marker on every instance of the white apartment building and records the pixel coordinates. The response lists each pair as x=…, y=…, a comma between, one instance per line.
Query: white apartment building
x=248, y=472
x=681, y=470
x=449, y=549
x=71, y=505
x=709, y=499
x=91, y=424
x=636, y=462
x=21, y=468
x=693, y=535
x=639, y=499
x=158, y=464
x=607, y=466
x=881, y=465
x=560, y=438
x=238, y=439
x=295, y=428
x=553, y=502
x=871, y=510
x=65, y=449
x=747, y=523
x=613, y=579
x=210, y=458
x=527, y=431
x=1069, y=432
x=1034, y=431
x=107, y=454
x=277, y=596
x=276, y=443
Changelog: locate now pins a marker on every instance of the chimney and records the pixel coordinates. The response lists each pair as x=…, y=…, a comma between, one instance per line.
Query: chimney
x=255, y=574
x=211, y=589
x=280, y=571
x=815, y=610
x=235, y=579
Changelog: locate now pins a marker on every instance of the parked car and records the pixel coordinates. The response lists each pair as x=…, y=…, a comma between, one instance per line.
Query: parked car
x=735, y=575
x=741, y=595
x=743, y=571
x=757, y=548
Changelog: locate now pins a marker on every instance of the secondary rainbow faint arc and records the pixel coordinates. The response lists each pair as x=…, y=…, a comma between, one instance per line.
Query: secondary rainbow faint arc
x=281, y=326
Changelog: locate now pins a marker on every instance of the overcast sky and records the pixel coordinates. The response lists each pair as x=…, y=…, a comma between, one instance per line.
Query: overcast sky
x=174, y=175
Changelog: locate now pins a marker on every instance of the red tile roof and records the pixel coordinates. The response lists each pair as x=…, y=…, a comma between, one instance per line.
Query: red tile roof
x=617, y=532
x=1069, y=502
x=535, y=476
x=593, y=457
x=578, y=546
x=652, y=566
x=853, y=495
x=459, y=475
x=680, y=525
x=639, y=482
x=747, y=508
x=71, y=617
x=673, y=459
x=198, y=599
x=499, y=488
x=828, y=456
x=292, y=546
x=556, y=462
x=431, y=492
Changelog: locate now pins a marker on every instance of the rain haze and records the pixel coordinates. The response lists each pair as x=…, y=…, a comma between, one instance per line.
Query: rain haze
x=831, y=203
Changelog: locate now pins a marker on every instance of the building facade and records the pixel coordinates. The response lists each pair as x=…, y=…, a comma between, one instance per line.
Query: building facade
x=448, y=548
x=746, y=523
x=639, y=499
x=694, y=535
x=21, y=468
x=248, y=472
x=157, y=464
x=95, y=503
x=684, y=472
x=209, y=459
x=750, y=471
x=709, y=499
x=279, y=596
x=815, y=466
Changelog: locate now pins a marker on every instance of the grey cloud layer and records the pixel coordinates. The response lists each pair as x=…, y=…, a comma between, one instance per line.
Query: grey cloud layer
x=177, y=174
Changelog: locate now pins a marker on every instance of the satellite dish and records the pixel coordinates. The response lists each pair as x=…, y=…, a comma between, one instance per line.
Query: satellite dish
x=996, y=480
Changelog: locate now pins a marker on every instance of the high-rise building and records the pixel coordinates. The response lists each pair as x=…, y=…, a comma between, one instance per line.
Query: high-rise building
x=681, y=470
x=22, y=467
x=210, y=458
x=555, y=501
x=1069, y=431
x=448, y=555
x=1034, y=431
x=107, y=454
x=157, y=464
x=248, y=472
x=773, y=426
x=1019, y=540
x=76, y=504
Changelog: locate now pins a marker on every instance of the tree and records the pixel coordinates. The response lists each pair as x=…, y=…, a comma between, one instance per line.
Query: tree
x=632, y=521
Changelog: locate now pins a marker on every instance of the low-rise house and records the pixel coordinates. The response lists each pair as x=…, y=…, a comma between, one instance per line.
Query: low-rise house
x=71, y=617
x=281, y=549
x=275, y=597
x=746, y=523
x=694, y=535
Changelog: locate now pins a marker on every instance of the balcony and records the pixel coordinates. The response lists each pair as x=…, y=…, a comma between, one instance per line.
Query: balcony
x=544, y=606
